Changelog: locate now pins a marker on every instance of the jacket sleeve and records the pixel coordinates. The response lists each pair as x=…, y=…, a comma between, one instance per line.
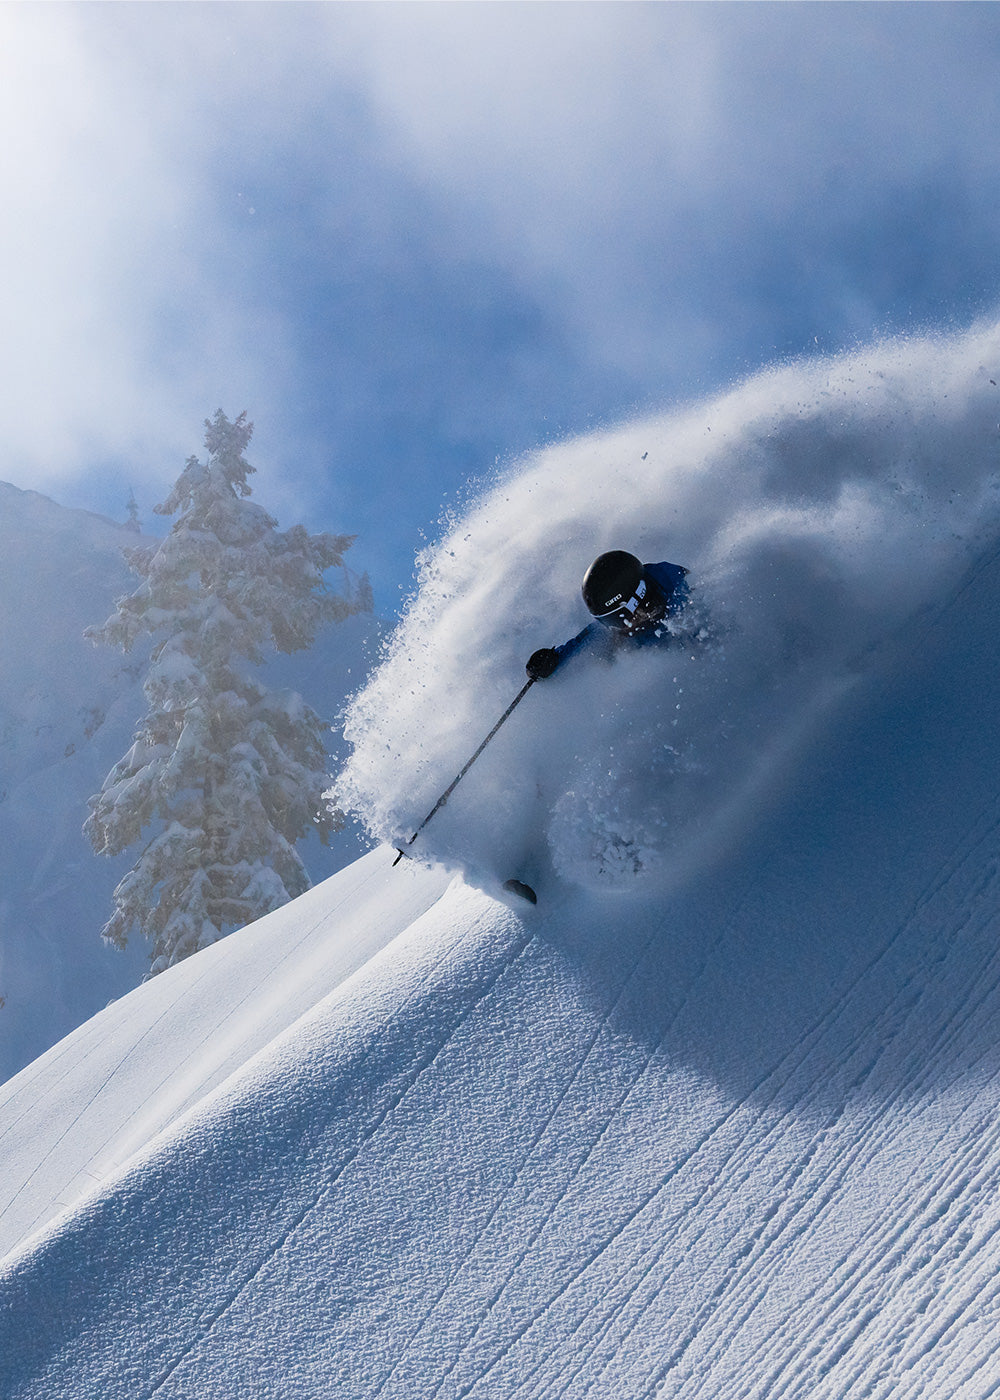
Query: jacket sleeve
x=594, y=637
x=546, y=661
x=672, y=578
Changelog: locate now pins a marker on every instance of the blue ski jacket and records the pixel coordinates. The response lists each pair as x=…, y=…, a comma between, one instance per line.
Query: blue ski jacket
x=604, y=640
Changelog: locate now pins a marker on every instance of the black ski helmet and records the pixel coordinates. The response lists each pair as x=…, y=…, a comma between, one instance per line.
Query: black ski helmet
x=611, y=581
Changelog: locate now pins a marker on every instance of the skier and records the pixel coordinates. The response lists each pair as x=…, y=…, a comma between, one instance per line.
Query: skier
x=631, y=603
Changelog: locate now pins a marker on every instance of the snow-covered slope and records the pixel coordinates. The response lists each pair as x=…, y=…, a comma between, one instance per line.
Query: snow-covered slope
x=148, y=1058
x=731, y=1132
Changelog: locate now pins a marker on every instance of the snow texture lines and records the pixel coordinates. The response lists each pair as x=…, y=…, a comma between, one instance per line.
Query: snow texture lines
x=518, y=1174
x=899, y=1058
x=368, y=1134
x=540, y=1198
x=892, y=1071
x=572, y=1270
x=84, y=1110
x=232, y=1013
x=614, y=1094
x=518, y=1200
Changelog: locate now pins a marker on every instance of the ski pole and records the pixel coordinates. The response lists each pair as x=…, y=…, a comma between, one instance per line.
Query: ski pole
x=459, y=776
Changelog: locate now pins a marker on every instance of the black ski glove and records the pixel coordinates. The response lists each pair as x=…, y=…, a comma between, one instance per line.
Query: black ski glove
x=542, y=663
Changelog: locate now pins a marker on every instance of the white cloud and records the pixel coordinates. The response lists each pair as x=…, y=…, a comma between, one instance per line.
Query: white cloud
x=119, y=337
x=561, y=126
x=644, y=173
x=628, y=157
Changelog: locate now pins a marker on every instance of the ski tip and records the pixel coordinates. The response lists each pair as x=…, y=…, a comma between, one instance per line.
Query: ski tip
x=518, y=887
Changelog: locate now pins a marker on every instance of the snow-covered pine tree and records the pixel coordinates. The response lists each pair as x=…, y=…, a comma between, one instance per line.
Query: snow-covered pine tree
x=229, y=774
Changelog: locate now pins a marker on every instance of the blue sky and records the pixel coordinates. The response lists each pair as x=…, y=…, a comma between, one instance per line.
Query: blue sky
x=416, y=240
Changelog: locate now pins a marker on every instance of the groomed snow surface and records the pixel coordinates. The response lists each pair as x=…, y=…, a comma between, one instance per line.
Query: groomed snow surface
x=719, y=1123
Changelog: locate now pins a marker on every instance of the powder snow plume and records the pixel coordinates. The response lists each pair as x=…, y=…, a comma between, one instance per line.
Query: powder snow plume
x=817, y=506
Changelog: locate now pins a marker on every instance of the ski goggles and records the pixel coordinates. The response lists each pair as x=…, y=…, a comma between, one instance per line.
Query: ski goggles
x=646, y=606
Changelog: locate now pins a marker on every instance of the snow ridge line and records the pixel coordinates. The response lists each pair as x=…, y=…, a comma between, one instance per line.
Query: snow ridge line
x=64, y=1053
x=349, y=897
x=85, y=1108
x=388, y=1109
x=109, y=1078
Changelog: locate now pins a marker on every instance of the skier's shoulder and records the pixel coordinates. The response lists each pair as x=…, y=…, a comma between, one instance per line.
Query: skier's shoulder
x=666, y=573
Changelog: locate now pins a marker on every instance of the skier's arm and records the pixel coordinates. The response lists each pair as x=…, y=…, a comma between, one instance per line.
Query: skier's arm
x=542, y=663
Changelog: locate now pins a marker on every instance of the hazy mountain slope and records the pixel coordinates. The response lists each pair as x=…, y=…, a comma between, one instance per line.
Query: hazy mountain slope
x=739, y=1141
x=67, y=712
